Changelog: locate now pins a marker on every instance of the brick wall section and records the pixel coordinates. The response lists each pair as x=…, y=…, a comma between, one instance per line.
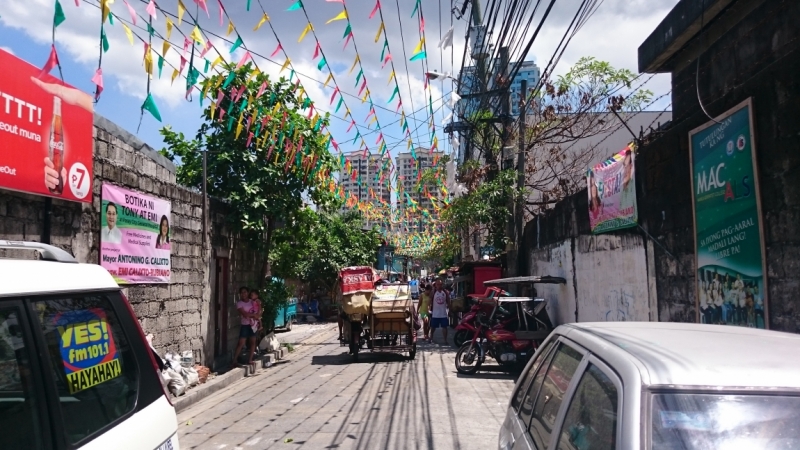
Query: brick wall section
x=176, y=314
x=758, y=58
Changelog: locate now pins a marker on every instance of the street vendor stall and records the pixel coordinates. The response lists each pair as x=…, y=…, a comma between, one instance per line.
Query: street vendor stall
x=380, y=317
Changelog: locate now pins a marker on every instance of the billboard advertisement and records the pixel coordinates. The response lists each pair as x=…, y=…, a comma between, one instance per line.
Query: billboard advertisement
x=46, y=140
x=611, y=186
x=135, y=234
x=729, y=238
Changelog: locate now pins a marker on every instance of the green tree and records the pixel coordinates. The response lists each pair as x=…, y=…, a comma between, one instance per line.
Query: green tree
x=317, y=245
x=263, y=155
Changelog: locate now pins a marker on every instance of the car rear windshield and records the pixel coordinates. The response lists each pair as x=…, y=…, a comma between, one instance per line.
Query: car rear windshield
x=725, y=421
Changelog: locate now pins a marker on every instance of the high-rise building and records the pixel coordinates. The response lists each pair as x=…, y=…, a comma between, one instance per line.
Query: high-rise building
x=528, y=70
x=368, y=187
x=408, y=170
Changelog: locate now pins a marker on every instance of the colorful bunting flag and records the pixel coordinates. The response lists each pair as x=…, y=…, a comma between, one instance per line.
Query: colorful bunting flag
x=342, y=16
x=263, y=20
x=149, y=105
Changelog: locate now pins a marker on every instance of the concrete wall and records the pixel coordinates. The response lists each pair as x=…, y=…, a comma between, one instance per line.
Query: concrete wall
x=758, y=57
x=179, y=314
x=607, y=275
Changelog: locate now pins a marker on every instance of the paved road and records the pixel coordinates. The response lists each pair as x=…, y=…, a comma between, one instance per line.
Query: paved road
x=319, y=400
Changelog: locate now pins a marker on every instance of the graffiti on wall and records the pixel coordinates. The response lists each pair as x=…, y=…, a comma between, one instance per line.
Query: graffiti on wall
x=619, y=302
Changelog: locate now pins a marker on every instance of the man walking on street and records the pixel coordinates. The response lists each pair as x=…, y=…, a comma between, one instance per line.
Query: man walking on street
x=248, y=313
x=439, y=310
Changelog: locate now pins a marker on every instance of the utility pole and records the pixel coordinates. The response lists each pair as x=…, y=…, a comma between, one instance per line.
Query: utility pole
x=519, y=210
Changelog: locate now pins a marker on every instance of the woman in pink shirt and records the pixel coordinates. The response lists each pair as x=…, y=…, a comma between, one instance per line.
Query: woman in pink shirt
x=249, y=313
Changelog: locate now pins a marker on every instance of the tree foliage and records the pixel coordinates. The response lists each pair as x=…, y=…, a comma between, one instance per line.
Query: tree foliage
x=263, y=154
x=317, y=245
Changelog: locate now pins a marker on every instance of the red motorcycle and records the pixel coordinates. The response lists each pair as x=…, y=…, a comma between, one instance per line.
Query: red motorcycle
x=510, y=348
x=466, y=327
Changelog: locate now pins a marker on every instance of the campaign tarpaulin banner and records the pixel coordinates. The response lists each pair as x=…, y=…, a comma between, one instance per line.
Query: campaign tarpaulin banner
x=358, y=279
x=135, y=235
x=731, y=277
x=612, y=193
x=46, y=140
x=87, y=348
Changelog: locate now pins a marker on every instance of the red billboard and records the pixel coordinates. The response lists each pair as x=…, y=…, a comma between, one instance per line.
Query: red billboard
x=45, y=133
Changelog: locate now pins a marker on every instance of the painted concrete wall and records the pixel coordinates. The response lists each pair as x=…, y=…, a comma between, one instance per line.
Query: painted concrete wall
x=606, y=277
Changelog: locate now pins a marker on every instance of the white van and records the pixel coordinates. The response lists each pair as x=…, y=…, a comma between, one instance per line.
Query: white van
x=75, y=368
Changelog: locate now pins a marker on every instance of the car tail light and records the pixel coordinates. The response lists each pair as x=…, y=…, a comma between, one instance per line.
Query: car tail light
x=144, y=340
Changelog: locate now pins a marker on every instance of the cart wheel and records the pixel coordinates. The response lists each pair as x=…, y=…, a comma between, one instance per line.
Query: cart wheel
x=413, y=352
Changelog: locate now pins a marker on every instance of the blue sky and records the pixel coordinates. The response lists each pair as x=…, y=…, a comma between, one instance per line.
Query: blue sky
x=25, y=29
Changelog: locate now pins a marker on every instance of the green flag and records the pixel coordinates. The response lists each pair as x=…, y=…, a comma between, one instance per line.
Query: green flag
x=149, y=105
x=416, y=7
x=339, y=105
x=297, y=5
x=150, y=29
x=236, y=44
x=104, y=40
x=160, y=65
x=394, y=94
x=248, y=5
x=228, y=80
x=358, y=77
x=111, y=18
x=347, y=30
x=205, y=69
x=58, y=17
x=321, y=63
x=420, y=55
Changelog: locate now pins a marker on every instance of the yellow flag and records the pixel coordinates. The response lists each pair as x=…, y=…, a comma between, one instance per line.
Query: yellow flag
x=342, y=15
x=230, y=28
x=213, y=110
x=106, y=9
x=314, y=121
x=181, y=10
x=263, y=20
x=435, y=142
x=239, y=128
x=128, y=33
x=409, y=144
x=347, y=113
x=301, y=92
x=169, y=28
x=391, y=77
x=165, y=49
x=175, y=74
x=276, y=108
x=378, y=35
x=366, y=96
x=419, y=46
x=328, y=80
x=254, y=73
x=305, y=31
x=374, y=119
x=285, y=64
x=197, y=36
x=148, y=62
x=354, y=64
x=216, y=61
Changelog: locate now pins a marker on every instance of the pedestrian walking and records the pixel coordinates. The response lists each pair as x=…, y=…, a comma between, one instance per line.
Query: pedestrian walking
x=424, y=311
x=247, y=320
x=439, y=310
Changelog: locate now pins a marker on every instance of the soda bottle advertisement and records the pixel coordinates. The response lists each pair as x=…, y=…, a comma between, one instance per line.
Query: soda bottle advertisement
x=46, y=142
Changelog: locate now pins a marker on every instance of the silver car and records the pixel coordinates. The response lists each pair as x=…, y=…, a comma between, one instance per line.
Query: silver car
x=632, y=385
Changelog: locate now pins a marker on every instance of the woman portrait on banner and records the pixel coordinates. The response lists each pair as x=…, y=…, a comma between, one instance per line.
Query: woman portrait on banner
x=595, y=204
x=627, y=198
x=162, y=241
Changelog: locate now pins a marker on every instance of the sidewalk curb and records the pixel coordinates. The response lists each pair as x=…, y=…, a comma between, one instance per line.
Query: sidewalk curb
x=228, y=378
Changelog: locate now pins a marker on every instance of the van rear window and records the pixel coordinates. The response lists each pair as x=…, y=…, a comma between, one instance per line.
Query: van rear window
x=92, y=362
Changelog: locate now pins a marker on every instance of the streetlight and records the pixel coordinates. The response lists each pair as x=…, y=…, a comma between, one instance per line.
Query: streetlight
x=434, y=75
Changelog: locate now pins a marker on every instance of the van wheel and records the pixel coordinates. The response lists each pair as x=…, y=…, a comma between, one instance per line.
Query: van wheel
x=289, y=325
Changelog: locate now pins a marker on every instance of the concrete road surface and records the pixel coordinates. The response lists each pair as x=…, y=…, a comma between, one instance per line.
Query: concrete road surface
x=318, y=399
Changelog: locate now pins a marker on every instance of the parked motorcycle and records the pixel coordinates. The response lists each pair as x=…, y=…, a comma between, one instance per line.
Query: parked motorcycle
x=466, y=327
x=493, y=342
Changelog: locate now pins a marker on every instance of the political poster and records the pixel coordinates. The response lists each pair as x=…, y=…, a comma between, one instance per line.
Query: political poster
x=87, y=348
x=728, y=228
x=135, y=235
x=611, y=186
x=46, y=143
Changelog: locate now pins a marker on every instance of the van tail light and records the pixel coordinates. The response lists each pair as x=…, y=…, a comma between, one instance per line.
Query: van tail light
x=151, y=352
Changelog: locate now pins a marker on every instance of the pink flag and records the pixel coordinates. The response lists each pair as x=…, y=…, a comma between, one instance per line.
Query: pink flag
x=271, y=148
x=371, y=112
x=399, y=104
x=244, y=59
x=183, y=63
x=347, y=41
x=316, y=51
x=311, y=111
x=203, y=6
x=151, y=9
x=221, y=113
x=363, y=86
x=335, y=145
x=277, y=49
x=375, y=9
x=221, y=11
x=333, y=96
x=97, y=79
x=77, y=3
x=130, y=11
x=386, y=60
x=261, y=89
x=186, y=43
x=206, y=48
x=421, y=24
x=52, y=61
x=352, y=123
x=380, y=136
x=220, y=96
x=237, y=94
x=249, y=139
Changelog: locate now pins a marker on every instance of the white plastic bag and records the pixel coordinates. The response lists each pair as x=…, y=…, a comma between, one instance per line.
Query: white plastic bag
x=190, y=375
x=187, y=359
x=269, y=343
x=176, y=384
